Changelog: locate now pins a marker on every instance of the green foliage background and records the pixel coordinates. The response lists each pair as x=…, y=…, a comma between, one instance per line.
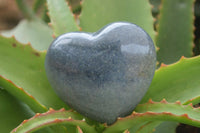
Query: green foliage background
x=25, y=92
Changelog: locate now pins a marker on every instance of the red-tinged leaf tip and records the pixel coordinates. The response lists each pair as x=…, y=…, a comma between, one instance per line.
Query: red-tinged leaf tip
x=79, y=129
x=185, y=115
x=178, y=102
x=24, y=121
x=62, y=109
x=150, y=101
x=13, y=36
x=80, y=28
x=154, y=19
x=10, y=81
x=50, y=24
x=14, y=130
x=126, y=131
x=57, y=120
x=54, y=36
x=75, y=17
x=48, y=14
x=37, y=114
x=105, y=124
x=70, y=7
x=119, y=118
x=133, y=113
x=51, y=110
x=163, y=65
x=163, y=101
x=182, y=57
x=21, y=89
x=29, y=43
x=81, y=3
x=190, y=104
x=157, y=48
x=31, y=96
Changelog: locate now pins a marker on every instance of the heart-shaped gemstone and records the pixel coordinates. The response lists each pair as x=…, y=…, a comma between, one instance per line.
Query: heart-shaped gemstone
x=102, y=75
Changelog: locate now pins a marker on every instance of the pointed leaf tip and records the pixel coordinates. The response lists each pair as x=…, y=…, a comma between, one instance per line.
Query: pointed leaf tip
x=178, y=102
x=50, y=24
x=186, y=116
x=62, y=109
x=37, y=114
x=191, y=105
x=150, y=101
x=57, y=120
x=163, y=101
x=163, y=65
x=182, y=57
x=54, y=36
x=24, y=121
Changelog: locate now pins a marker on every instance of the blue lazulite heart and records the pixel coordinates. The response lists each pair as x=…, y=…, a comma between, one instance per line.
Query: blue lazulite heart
x=102, y=75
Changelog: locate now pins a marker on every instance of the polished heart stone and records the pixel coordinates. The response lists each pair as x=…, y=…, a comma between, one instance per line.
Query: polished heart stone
x=102, y=75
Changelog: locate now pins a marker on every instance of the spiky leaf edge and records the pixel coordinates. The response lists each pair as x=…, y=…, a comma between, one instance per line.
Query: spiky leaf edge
x=145, y=114
x=53, y=117
x=21, y=94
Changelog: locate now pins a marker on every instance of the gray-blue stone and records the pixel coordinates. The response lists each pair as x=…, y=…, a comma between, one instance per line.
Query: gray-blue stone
x=103, y=75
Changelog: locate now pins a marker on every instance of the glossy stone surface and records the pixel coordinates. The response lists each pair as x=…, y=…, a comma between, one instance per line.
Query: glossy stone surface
x=102, y=75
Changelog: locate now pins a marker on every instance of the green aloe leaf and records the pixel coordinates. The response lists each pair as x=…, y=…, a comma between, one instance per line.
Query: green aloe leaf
x=158, y=127
x=20, y=94
x=33, y=31
x=149, y=127
x=53, y=117
x=156, y=111
x=62, y=19
x=12, y=112
x=98, y=13
x=179, y=81
x=24, y=66
x=166, y=127
x=175, y=30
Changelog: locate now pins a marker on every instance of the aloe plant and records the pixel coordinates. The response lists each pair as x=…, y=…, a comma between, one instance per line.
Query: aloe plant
x=29, y=104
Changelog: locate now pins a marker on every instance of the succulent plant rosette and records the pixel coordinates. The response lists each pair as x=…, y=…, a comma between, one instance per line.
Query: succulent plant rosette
x=102, y=66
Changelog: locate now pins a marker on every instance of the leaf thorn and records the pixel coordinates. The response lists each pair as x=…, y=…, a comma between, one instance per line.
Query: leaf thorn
x=163, y=101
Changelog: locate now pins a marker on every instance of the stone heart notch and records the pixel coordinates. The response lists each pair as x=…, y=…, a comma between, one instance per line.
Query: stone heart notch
x=102, y=75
